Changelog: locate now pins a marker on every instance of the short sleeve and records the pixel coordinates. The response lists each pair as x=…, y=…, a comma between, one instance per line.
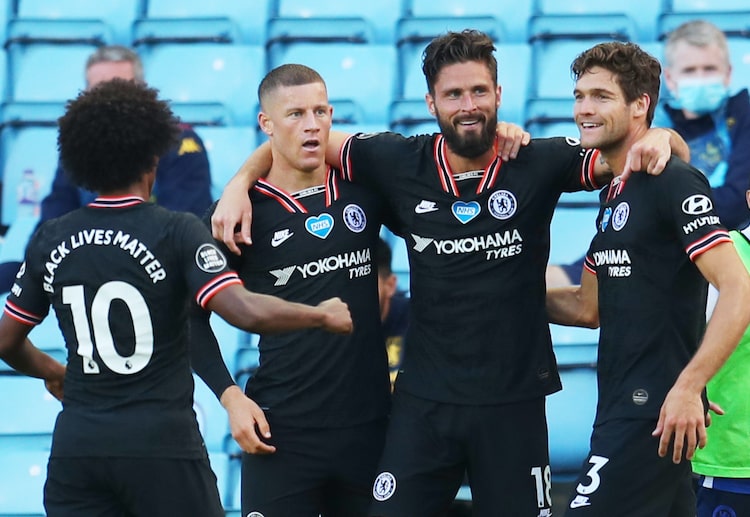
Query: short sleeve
x=206, y=267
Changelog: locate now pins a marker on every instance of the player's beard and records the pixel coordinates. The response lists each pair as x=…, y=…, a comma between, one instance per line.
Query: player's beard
x=469, y=145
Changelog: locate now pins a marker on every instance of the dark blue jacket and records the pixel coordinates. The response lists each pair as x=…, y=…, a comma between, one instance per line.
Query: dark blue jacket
x=708, y=150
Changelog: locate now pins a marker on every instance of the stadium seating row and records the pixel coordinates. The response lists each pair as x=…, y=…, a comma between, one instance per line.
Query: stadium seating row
x=385, y=22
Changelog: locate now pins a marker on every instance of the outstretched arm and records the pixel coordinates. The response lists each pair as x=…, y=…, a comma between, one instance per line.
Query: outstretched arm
x=682, y=415
x=265, y=314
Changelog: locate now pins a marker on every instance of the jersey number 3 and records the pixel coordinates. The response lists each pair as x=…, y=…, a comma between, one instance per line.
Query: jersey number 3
x=99, y=323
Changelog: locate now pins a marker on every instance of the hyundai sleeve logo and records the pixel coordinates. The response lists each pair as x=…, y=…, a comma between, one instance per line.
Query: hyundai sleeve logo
x=697, y=204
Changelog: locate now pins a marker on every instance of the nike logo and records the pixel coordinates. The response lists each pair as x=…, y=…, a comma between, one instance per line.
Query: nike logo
x=580, y=501
x=425, y=206
x=280, y=236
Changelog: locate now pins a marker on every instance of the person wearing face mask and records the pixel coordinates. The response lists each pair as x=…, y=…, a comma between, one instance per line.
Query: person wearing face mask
x=715, y=124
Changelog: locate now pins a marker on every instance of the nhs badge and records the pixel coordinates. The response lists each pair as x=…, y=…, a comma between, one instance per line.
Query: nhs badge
x=465, y=212
x=502, y=204
x=320, y=225
x=354, y=218
x=606, y=216
x=620, y=216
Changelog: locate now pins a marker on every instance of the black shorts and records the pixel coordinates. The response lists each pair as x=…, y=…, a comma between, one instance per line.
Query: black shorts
x=429, y=446
x=130, y=487
x=313, y=472
x=624, y=476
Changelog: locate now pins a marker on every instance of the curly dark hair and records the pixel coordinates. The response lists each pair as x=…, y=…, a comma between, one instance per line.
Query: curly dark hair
x=457, y=47
x=114, y=133
x=636, y=71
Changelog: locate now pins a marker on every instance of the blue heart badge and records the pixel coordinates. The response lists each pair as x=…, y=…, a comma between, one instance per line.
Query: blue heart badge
x=465, y=212
x=320, y=226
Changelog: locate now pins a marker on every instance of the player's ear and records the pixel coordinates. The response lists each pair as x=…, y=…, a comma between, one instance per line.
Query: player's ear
x=265, y=123
x=430, y=103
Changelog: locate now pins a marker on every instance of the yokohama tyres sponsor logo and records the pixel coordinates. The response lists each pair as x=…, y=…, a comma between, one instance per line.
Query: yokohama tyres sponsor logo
x=469, y=244
x=324, y=265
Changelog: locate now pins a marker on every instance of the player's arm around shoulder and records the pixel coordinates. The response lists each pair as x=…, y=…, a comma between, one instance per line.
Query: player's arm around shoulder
x=649, y=154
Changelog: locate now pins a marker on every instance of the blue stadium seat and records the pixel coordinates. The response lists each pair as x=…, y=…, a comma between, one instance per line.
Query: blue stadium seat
x=26, y=148
x=739, y=56
x=735, y=24
x=245, y=364
x=551, y=117
x=399, y=259
x=303, y=19
x=571, y=412
x=230, y=20
x=6, y=13
x=29, y=412
x=514, y=76
x=512, y=21
x=62, y=32
x=570, y=418
x=230, y=339
x=638, y=14
x=215, y=76
x=370, y=67
x=231, y=488
x=550, y=65
x=413, y=35
x=15, y=239
x=155, y=31
x=571, y=232
x=227, y=149
x=116, y=15
x=411, y=117
x=22, y=476
x=229, y=485
x=3, y=73
x=700, y=6
x=44, y=72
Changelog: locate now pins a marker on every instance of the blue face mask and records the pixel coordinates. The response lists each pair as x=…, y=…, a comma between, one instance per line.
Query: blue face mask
x=701, y=96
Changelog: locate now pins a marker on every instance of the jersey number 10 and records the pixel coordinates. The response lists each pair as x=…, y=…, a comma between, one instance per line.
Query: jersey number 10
x=103, y=341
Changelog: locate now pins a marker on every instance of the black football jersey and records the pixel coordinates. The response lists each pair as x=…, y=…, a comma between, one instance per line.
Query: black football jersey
x=307, y=247
x=478, y=246
x=118, y=274
x=652, y=297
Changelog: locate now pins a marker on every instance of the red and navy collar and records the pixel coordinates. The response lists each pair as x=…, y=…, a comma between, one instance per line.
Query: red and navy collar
x=448, y=181
x=289, y=202
x=116, y=202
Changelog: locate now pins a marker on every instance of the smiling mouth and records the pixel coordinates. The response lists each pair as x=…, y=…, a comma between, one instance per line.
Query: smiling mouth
x=589, y=125
x=469, y=122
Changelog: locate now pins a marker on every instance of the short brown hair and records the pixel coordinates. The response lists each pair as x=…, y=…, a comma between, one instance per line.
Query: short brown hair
x=636, y=71
x=287, y=75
